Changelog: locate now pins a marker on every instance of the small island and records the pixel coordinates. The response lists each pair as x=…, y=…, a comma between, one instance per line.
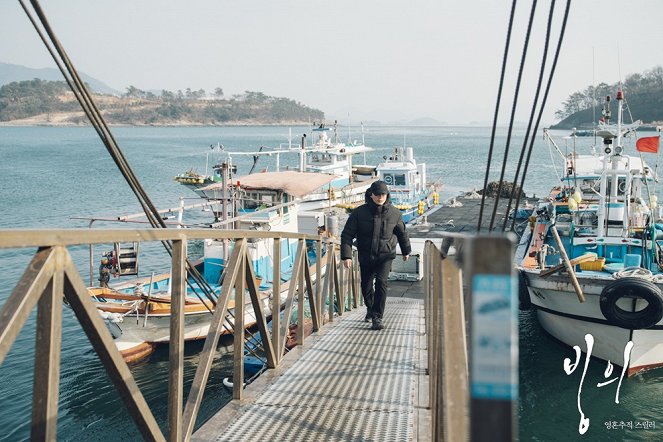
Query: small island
x=51, y=103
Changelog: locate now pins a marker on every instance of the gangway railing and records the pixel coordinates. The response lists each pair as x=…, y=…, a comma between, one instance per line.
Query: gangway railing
x=52, y=276
x=472, y=291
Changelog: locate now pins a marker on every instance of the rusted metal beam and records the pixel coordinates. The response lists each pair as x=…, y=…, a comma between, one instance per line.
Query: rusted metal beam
x=47, y=359
x=209, y=348
x=102, y=342
x=176, y=343
x=24, y=297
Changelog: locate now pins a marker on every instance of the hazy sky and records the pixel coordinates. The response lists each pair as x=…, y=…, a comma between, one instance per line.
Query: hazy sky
x=382, y=60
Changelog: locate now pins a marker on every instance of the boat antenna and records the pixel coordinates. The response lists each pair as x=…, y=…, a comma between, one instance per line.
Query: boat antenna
x=362, y=138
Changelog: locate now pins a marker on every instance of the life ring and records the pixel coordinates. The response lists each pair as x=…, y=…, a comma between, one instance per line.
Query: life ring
x=632, y=288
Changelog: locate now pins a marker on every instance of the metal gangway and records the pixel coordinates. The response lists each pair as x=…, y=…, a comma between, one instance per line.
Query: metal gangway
x=421, y=378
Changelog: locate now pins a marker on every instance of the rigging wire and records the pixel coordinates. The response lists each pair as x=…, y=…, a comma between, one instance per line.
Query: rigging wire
x=513, y=116
x=545, y=96
x=90, y=109
x=544, y=57
x=497, y=108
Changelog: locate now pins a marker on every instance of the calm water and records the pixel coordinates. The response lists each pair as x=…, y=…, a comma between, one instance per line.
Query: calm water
x=50, y=176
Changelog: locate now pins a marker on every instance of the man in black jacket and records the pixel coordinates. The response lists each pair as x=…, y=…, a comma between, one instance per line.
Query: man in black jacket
x=376, y=225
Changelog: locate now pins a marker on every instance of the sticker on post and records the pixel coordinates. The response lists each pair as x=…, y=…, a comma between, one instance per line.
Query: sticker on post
x=494, y=337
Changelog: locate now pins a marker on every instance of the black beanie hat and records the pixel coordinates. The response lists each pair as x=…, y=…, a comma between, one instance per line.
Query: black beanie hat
x=379, y=188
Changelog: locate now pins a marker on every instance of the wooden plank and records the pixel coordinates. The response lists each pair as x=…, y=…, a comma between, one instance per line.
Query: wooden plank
x=276, y=303
x=300, y=294
x=318, y=279
x=312, y=297
x=238, y=335
x=176, y=345
x=24, y=298
x=453, y=360
x=587, y=257
x=47, y=361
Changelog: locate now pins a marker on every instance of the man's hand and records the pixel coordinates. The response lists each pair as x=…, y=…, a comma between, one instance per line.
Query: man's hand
x=406, y=257
x=347, y=263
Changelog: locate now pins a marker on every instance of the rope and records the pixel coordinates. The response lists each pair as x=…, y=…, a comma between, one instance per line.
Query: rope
x=635, y=272
x=497, y=108
x=513, y=116
x=545, y=95
x=531, y=119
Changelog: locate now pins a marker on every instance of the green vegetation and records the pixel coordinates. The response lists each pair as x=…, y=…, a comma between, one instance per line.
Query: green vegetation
x=644, y=97
x=46, y=99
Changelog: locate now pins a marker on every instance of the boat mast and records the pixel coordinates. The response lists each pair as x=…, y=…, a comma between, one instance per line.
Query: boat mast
x=619, y=149
x=607, y=141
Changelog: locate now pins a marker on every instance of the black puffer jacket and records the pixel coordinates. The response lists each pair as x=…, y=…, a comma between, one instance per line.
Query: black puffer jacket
x=376, y=229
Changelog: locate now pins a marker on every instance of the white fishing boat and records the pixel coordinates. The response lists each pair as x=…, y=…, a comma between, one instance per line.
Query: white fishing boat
x=593, y=262
x=406, y=179
x=326, y=155
x=137, y=312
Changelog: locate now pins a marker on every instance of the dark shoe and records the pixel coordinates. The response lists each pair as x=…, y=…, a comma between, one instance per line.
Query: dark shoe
x=377, y=324
x=368, y=317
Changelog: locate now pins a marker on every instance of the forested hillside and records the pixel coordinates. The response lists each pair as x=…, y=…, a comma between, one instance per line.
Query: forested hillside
x=51, y=102
x=644, y=98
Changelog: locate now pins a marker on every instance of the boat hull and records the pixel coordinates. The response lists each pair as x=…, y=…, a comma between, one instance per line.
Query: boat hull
x=562, y=315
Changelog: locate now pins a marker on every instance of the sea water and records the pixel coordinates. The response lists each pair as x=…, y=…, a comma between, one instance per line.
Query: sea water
x=62, y=177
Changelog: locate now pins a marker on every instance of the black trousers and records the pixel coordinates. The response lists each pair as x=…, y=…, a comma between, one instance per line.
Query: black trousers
x=374, y=286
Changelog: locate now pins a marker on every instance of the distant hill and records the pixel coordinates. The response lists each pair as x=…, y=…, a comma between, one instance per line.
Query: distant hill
x=643, y=93
x=43, y=102
x=12, y=72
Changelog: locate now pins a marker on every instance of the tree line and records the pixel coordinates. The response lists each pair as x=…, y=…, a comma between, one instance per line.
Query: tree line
x=26, y=99
x=643, y=91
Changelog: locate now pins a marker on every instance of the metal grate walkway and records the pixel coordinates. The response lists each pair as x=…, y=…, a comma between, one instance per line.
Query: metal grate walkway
x=353, y=384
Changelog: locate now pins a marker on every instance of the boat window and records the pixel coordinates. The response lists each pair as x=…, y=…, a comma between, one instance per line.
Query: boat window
x=399, y=179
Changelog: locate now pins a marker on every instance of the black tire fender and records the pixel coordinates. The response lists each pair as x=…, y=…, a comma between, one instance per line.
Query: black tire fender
x=632, y=288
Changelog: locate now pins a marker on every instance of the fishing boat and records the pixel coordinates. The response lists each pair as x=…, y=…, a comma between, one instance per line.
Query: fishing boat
x=407, y=185
x=326, y=155
x=137, y=312
x=593, y=262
